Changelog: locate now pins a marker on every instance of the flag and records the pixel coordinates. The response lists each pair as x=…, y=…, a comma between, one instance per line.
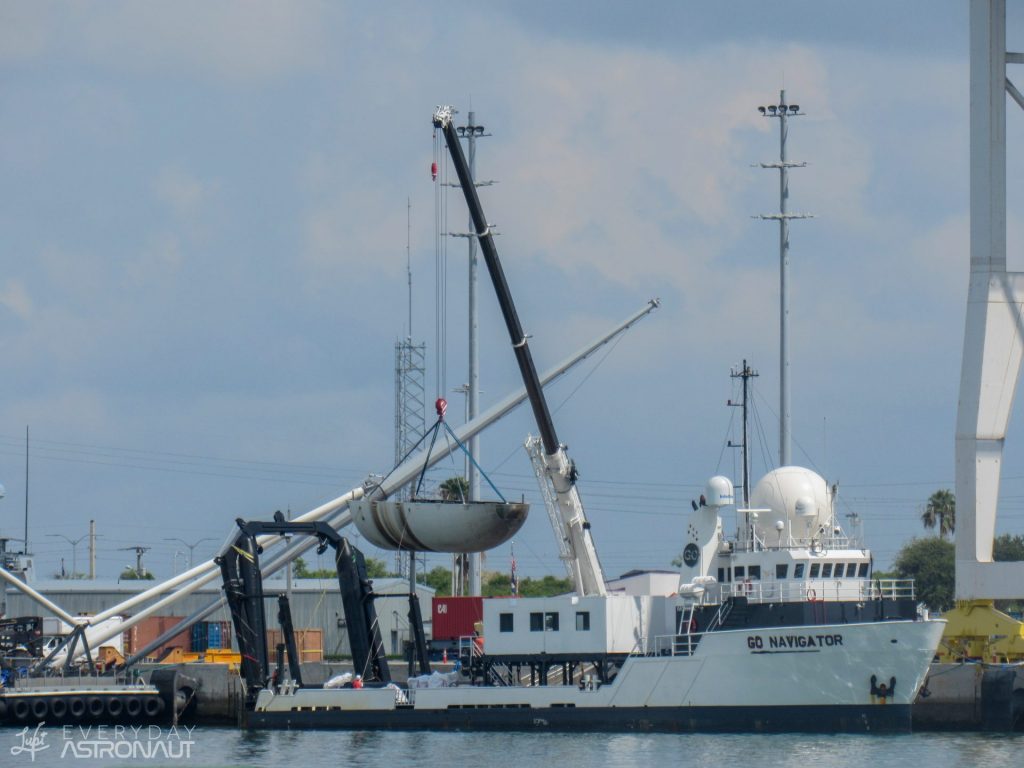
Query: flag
x=514, y=579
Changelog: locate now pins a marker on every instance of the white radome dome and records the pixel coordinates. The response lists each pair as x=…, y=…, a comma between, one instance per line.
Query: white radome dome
x=795, y=495
x=719, y=492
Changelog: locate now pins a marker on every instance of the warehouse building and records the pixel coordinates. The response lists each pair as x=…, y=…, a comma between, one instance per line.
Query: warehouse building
x=315, y=605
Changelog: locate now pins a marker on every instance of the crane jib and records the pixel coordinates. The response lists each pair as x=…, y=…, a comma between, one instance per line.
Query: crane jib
x=508, y=310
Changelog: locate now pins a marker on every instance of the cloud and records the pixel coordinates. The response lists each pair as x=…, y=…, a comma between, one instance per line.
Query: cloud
x=184, y=193
x=239, y=41
x=15, y=298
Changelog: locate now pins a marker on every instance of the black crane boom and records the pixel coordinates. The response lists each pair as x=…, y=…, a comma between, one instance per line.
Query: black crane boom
x=443, y=120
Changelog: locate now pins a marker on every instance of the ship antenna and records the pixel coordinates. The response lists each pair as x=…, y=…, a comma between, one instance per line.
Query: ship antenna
x=745, y=374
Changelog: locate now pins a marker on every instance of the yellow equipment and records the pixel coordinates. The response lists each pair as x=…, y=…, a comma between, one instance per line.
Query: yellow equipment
x=976, y=630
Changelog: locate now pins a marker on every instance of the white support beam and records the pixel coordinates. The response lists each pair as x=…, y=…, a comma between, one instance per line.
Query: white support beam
x=994, y=327
x=208, y=571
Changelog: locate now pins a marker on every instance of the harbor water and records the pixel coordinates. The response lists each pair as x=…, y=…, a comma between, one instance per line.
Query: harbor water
x=231, y=747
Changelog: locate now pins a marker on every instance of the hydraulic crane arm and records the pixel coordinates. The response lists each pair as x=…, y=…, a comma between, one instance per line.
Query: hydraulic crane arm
x=243, y=588
x=560, y=470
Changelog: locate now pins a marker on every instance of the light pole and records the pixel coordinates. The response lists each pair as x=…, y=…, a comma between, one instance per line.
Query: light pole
x=74, y=550
x=191, y=548
x=783, y=112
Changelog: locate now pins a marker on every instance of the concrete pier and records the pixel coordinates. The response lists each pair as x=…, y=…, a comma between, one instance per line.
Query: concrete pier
x=971, y=697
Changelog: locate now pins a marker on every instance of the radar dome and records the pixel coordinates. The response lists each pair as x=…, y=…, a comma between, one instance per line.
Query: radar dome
x=718, y=492
x=795, y=495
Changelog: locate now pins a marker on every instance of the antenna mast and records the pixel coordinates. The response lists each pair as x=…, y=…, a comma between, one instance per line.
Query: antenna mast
x=746, y=374
x=783, y=112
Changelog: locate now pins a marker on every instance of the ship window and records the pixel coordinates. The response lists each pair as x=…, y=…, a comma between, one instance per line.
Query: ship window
x=851, y=570
x=721, y=575
x=506, y=622
x=536, y=622
x=550, y=622
x=739, y=572
x=863, y=573
x=815, y=570
x=798, y=571
x=582, y=621
x=755, y=572
x=781, y=569
x=826, y=570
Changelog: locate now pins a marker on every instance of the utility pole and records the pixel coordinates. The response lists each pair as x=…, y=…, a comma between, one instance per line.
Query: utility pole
x=92, y=550
x=140, y=572
x=746, y=374
x=26, y=490
x=783, y=112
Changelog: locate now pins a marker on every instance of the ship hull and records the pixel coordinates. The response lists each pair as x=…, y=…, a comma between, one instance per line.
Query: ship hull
x=852, y=678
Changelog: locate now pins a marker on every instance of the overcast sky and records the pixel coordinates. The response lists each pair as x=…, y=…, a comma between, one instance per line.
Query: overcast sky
x=203, y=208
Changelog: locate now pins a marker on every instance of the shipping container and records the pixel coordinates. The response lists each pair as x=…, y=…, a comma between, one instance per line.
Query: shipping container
x=150, y=628
x=308, y=642
x=455, y=617
x=211, y=635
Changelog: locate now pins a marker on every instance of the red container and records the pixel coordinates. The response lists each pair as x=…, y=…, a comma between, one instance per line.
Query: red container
x=454, y=617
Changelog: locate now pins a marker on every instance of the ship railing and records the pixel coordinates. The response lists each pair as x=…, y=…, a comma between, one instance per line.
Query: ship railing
x=889, y=589
x=471, y=647
x=793, y=591
x=754, y=542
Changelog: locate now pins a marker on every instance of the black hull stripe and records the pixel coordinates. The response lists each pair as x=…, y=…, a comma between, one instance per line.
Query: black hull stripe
x=882, y=718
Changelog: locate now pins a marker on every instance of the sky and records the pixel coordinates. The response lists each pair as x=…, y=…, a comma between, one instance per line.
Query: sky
x=206, y=208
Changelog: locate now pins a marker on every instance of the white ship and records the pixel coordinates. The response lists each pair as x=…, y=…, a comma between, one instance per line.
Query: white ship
x=780, y=627
x=780, y=633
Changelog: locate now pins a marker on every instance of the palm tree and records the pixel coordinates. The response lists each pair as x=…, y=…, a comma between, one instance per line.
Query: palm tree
x=940, y=512
x=455, y=489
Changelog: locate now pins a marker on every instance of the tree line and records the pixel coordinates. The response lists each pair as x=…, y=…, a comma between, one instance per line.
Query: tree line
x=931, y=560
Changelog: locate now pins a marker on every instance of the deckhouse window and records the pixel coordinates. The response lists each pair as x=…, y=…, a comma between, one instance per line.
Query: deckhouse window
x=851, y=570
x=798, y=571
x=505, y=622
x=863, y=573
x=582, y=621
x=826, y=570
x=755, y=572
x=815, y=570
x=536, y=622
x=739, y=572
x=780, y=570
x=550, y=622
x=721, y=575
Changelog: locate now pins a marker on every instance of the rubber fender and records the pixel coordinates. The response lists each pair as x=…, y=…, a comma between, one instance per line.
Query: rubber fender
x=152, y=706
x=39, y=709
x=21, y=710
x=115, y=706
x=94, y=704
x=132, y=706
x=59, y=707
x=76, y=707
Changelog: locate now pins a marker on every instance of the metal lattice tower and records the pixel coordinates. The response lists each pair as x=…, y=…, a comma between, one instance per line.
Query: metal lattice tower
x=410, y=385
x=410, y=408
x=410, y=398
